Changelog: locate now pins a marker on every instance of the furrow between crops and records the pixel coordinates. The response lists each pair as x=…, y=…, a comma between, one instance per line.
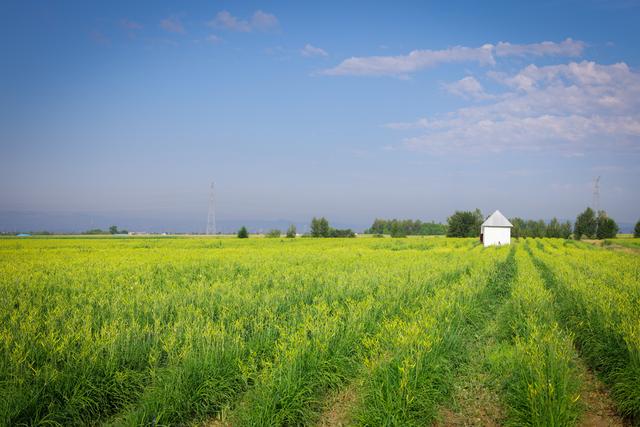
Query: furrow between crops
x=412, y=364
x=605, y=322
x=326, y=350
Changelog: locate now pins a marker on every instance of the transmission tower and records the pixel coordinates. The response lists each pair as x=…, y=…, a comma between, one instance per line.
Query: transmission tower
x=596, y=194
x=211, y=218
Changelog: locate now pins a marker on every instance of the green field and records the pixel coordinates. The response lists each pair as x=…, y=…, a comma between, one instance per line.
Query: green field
x=193, y=331
x=633, y=243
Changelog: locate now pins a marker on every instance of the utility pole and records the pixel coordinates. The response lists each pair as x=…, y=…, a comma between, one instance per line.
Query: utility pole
x=211, y=218
x=596, y=195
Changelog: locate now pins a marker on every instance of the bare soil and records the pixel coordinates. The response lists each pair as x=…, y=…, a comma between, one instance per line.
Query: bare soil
x=599, y=408
x=338, y=408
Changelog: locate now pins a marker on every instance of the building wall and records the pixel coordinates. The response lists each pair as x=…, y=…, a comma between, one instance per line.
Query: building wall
x=497, y=236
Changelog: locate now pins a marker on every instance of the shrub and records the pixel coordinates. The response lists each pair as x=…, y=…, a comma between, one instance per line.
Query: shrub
x=273, y=234
x=243, y=233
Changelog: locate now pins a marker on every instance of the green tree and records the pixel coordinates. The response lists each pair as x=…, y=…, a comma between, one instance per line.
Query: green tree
x=337, y=232
x=636, y=230
x=553, y=228
x=518, y=227
x=113, y=229
x=275, y=233
x=586, y=225
x=464, y=224
x=397, y=230
x=291, y=232
x=319, y=227
x=406, y=227
x=565, y=229
x=243, y=233
x=94, y=231
x=607, y=227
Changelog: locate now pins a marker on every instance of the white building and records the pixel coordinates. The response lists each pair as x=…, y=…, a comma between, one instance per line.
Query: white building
x=496, y=230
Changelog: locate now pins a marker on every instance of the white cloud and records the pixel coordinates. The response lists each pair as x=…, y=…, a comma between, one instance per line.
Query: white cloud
x=172, y=25
x=263, y=21
x=310, y=50
x=403, y=65
x=571, y=107
x=260, y=21
x=468, y=87
x=568, y=47
x=418, y=124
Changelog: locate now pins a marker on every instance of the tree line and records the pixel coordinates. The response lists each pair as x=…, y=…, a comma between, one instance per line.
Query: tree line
x=319, y=228
x=588, y=224
x=406, y=227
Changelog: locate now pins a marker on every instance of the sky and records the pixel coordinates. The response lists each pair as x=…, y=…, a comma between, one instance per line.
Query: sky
x=127, y=111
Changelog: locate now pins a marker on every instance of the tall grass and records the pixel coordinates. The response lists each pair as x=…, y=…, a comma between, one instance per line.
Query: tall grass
x=261, y=332
x=598, y=294
x=536, y=360
x=412, y=362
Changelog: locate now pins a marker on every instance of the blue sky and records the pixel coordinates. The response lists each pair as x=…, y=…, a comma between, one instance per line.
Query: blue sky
x=125, y=111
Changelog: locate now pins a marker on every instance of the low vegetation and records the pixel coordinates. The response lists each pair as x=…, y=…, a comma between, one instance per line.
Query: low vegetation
x=151, y=331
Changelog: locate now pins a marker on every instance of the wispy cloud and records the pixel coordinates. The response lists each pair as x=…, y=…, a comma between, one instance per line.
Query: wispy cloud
x=310, y=50
x=260, y=21
x=99, y=38
x=263, y=21
x=172, y=25
x=568, y=47
x=213, y=39
x=468, y=87
x=403, y=65
x=130, y=25
x=572, y=107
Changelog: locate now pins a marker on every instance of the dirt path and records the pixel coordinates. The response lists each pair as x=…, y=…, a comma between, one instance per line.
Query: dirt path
x=612, y=246
x=599, y=409
x=338, y=408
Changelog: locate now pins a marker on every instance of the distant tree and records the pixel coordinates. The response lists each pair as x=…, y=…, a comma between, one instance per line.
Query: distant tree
x=378, y=226
x=607, y=227
x=319, y=227
x=586, y=224
x=113, y=229
x=397, y=230
x=291, y=232
x=95, y=231
x=636, y=230
x=553, y=228
x=464, y=224
x=336, y=232
x=275, y=233
x=243, y=233
x=565, y=230
x=314, y=230
x=518, y=228
x=406, y=227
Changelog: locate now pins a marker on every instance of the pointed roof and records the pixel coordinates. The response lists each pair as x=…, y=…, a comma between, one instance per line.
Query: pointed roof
x=497, y=220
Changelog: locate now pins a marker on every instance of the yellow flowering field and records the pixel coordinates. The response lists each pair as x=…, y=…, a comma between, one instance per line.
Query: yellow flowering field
x=264, y=332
